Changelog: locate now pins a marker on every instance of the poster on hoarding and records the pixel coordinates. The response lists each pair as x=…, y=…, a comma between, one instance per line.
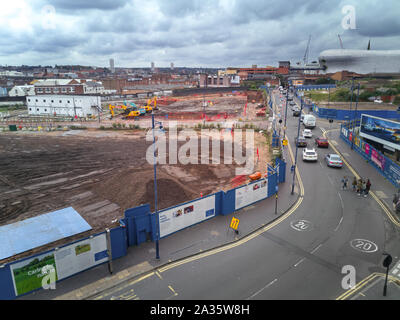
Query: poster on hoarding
x=383, y=131
x=81, y=256
x=180, y=217
x=27, y=275
x=251, y=193
x=378, y=159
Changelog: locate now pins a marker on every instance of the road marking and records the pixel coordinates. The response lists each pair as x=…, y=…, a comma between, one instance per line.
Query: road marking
x=262, y=289
x=337, y=227
x=363, y=245
x=364, y=282
x=248, y=237
x=159, y=275
x=299, y=262
x=330, y=180
x=319, y=246
x=341, y=200
x=388, y=213
x=172, y=289
x=334, y=142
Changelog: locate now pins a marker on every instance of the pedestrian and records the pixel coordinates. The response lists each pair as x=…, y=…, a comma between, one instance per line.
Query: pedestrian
x=344, y=181
x=364, y=188
x=354, y=184
x=367, y=188
x=359, y=186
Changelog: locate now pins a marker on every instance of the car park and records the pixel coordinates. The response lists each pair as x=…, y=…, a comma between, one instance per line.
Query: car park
x=321, y=142
x=333, y=160
x=307, y=133
x=310, y=155
x=301, y=142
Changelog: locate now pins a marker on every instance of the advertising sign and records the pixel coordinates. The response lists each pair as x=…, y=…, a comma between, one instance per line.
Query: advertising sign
x=381, y=130
x=81, y=255
x=180, y=217
x=251, y=193
x=27, y=275
x=378, y=159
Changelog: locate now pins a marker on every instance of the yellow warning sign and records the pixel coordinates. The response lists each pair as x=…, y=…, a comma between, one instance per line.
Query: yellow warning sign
x=285, y=142
x=234, y=223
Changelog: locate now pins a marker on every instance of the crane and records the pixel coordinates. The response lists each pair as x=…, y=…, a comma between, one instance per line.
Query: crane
x=340, y=40
x=305, y=59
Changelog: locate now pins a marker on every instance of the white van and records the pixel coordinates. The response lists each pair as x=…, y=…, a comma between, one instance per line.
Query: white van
x=309, y=121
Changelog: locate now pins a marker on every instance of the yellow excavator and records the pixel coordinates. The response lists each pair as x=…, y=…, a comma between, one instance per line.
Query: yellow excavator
x=111, y=107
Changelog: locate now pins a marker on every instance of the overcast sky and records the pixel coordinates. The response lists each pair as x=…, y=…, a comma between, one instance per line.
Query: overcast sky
x=198, y=33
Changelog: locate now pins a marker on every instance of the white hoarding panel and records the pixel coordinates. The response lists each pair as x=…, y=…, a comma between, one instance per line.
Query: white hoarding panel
x=180, y=217
x=80, y=256
x=251, y=193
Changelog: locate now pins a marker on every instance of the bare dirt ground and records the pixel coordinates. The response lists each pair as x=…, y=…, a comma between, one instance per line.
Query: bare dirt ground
x=99, y=173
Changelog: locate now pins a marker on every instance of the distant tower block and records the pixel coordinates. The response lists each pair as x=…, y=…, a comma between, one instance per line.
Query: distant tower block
x=172, y=66
x=152, y=66
x=112, y=69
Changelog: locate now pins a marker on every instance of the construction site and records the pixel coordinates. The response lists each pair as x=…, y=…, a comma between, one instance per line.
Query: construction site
x=100, y=169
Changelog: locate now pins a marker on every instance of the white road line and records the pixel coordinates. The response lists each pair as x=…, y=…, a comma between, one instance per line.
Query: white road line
x=259, y=291
x=337, y=227
x=299, y=262
x=319, y=246
x=341, y=200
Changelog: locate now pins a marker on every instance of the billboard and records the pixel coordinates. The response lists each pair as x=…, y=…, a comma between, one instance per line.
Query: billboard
x=383, y=131
x=66, y=261
x=180, y=217
x=251, y=193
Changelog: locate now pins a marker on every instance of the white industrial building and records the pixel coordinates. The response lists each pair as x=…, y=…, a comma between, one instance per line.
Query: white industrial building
x=360, y=61
x=22, y=91
x=63, y=105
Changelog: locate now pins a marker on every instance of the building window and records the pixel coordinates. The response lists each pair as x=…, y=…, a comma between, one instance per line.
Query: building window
x=30, y=109
x=44, y=100
x=29, y=100
x=45, y=110
x=60, y=101
x=37, y=109
x=68, y=101
x=64, y=89
x=40, y=90
x=48, y=90
x=36, y=100
x=52, y=101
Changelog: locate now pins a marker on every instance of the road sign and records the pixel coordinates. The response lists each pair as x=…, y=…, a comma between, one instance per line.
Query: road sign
x=285, y=142
x=234, y=223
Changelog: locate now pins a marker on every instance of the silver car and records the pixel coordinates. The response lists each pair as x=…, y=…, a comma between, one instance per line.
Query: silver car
x=333, y=160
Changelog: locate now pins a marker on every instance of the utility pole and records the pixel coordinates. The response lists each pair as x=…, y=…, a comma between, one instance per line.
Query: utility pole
x=287, y=96
x=386, y=264
x=355, y=115
x=297, y=146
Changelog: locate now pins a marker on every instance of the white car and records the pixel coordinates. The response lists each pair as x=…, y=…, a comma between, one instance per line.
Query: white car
x=307, y=133
x=310, y=155
x=378, y=101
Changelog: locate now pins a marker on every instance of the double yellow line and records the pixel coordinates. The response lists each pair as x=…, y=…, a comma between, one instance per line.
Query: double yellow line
x=364, y=282
x=384, y=208
x=248, y=237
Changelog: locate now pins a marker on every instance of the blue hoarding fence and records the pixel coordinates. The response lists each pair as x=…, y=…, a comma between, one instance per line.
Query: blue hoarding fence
x=315, y=87
x=384, y=165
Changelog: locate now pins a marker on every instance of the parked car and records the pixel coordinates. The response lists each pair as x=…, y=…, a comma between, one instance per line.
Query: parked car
x=378, y=101
x=302, y=142
x=333, y=160
x=321, y=142
x=310, y=155
x=307, y=133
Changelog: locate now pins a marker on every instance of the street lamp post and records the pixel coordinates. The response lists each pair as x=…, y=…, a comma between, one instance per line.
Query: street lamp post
x=355, y=115
x=153, y=122
x=287, y=95
x=297, y=145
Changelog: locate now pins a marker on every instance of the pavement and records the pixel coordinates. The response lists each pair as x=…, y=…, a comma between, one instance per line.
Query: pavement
x=140, y=262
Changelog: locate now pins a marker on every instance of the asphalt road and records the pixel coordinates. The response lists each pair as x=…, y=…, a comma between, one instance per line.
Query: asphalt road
x=300, y=258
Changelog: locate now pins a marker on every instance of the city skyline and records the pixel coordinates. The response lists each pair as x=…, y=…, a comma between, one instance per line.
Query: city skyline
x=188, y=33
